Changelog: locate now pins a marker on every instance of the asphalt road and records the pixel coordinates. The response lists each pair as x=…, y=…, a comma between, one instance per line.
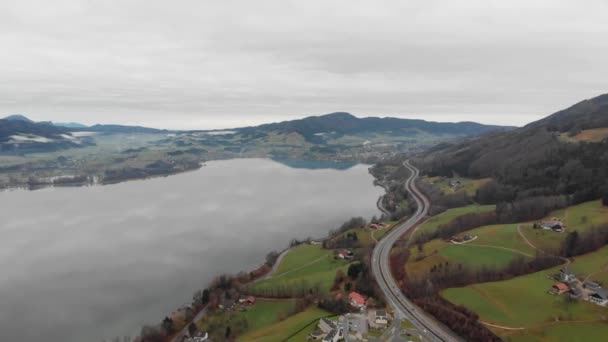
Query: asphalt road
x=431, y=329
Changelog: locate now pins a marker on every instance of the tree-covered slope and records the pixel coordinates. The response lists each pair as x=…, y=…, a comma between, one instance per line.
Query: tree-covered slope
x=536, y=160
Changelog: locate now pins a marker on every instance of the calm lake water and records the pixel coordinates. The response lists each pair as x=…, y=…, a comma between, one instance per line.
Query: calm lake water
x=84, y=264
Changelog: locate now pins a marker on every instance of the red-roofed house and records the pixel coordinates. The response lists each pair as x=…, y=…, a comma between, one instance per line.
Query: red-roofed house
x=356, y=299
x=345, y=254
x=560, y=288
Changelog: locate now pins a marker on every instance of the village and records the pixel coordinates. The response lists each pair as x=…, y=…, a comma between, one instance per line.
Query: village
x=588, y=290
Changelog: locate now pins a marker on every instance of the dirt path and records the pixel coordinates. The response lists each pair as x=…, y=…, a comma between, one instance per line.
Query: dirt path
x=371, y=234
x=499, y=247
x=523, y=236
x=303, y=266
x=501, y=326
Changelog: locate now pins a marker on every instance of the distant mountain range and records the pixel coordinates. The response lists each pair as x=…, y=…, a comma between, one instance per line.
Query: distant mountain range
x=74, y=126
x=340, y=123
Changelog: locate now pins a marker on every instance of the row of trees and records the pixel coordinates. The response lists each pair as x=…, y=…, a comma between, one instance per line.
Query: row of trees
x=585, y=242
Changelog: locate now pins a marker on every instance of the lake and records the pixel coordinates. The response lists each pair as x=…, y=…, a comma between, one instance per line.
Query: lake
x=88, y=263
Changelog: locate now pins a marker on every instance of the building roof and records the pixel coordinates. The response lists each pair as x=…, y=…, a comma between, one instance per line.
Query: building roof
x=566, y=271
x=357, y=298
x=331, y=335
x=380, y=313
x=552, y=224
x=590, y=283
x=561, y=287
x=329, y=322
x=601, y=293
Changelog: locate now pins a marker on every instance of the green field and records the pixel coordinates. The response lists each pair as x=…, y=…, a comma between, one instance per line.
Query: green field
x=501, y=235
x=495, y=246
x=279, y=331
x=434, y=222
x=509, y=303
x=303, y=267
x=469, y=185
x=363, y=235
x=521, y=302
x=262, y=314
x=580, y=217
x=301, y=256
x=474, y=256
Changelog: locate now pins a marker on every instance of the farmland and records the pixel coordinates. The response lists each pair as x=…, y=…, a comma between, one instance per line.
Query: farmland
x=304, y=267
x=433, y=223
x=280, y=330
x=469, y=186
x=580, y=217
x=260, y=315
x=508, y=303
x=495, y=246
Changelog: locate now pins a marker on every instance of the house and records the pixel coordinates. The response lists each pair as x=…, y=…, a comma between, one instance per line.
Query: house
x=381, y=317
x=456, y=184
x=334, y=335
x=316, y=335
x=560, y=288
x=326, y=325
x=575, y=293
x=227, y=304
x=345, y=254
x=356, y=299
x=374, y=226
x=200, y=336
x=554, y=225
x=247, y=300
x=566, y=276
x=600, y=297
x=592, y=285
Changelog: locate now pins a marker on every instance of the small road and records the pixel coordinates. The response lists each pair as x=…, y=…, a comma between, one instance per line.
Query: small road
x=523, y=236
x=184, y=332
x=275, y=266
x=430, y=329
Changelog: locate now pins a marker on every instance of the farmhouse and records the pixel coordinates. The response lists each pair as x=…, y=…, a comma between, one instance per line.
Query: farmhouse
x=553, y=224
x=200, y=336
x=381, y=317
x=345, y=254
x=456, y=184
x=326, y=325
x=575, y=293
x=247, y=300
x=592, y=285
x=334, y=335
x=227, y=304
x=566, y=276
x=600, y=297
x=559, y=288
x=356, y=299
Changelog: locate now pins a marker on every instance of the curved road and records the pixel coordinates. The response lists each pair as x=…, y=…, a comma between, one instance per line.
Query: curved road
x=431, y=330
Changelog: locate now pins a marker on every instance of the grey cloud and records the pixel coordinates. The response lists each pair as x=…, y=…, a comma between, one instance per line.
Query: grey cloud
x=199, y=64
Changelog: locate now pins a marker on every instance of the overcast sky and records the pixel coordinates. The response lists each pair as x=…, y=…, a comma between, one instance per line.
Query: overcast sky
x=215, y=64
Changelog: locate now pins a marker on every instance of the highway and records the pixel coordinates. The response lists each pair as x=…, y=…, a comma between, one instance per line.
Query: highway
x=431, y=330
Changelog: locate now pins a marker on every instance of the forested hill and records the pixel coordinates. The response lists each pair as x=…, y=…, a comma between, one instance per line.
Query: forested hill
x=563, y=154
x=347, y=124
x=11, y=126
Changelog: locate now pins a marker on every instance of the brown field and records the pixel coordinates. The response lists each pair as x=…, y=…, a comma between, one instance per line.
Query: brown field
x=593, y=135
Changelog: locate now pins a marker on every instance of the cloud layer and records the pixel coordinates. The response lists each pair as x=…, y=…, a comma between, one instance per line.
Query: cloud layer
x=213, y=64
